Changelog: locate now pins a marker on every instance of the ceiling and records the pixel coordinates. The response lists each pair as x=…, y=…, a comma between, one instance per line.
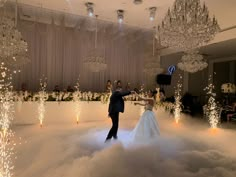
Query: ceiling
x=225, y=49
x=135, y=15
x=218, y=50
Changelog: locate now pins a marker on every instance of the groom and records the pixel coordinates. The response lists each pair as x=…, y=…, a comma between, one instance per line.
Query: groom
x=116, y=106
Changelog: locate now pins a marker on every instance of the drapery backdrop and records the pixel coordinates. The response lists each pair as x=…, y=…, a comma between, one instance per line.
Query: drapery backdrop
x=57, y=52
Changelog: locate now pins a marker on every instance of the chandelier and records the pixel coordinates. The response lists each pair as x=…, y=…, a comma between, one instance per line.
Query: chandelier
x=2, y=2
x=13, y=49
x=153, y=68
x=95, y=60
x=192, y=62
x=187, y=26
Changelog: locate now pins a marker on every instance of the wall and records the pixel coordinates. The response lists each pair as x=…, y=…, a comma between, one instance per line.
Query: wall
x=58, y=53
x=225, y=73
x=166, y=61
x=195, y=83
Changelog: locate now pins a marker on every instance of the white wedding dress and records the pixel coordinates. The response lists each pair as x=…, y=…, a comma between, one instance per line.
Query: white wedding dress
x=147, y=129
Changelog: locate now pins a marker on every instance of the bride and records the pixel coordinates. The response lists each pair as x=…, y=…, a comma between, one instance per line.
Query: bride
x=147, y=128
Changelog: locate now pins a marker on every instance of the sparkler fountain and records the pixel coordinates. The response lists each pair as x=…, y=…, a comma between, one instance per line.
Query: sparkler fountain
x=43, y=96
x=212, y=110
x=76, y=99
x=177, y=106
x=13, y=53
x=6, y=116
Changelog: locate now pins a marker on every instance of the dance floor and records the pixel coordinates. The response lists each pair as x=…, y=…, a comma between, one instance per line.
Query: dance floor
x=62, y=148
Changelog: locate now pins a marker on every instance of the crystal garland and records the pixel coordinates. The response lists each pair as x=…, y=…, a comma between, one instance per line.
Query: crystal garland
x=153, y=67
x=13, y=49
x=192, y=62
x=95, y=61
x=187, y=26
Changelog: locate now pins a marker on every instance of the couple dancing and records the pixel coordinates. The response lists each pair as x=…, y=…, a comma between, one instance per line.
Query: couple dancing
x=146, y=129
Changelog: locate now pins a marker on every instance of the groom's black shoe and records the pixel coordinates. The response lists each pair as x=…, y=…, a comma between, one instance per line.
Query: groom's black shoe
x=115, y=137
x=107, y=140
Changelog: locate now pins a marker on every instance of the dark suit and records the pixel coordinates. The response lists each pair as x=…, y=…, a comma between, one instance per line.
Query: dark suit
x=116, y=105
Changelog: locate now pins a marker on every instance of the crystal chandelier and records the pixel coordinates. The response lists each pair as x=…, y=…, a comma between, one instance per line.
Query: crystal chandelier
x=192, y=62
x=13, y=49
x=187, y=26
x=2, y=2
x=95, y=60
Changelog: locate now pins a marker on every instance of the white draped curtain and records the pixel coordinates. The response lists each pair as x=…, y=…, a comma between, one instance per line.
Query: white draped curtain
x=58, y=52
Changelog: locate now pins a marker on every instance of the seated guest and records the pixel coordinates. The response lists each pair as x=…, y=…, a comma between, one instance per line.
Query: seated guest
x=23, y=87
x=25, y=95
x=118, y=84
x=56, y=88
x=70, y=89
x=231, y=111
x=108, y=86
x=187, y=102
x=162, y=95
x=127, y=88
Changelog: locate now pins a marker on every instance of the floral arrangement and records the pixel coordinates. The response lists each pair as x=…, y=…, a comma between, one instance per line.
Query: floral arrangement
x=228, y=88
x=66, y=96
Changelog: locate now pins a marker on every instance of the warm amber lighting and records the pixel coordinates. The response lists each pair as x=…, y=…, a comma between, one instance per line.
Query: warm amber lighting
x=213, y=130
x=4, y=132
x=41, y=123
x=177, y=121
x=77, y=119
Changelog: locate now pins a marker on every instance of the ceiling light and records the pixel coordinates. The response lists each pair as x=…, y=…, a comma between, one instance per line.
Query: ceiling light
x=192, y=62
x=89, y=6
x=138, y=2
x=120, y=15
x=152, y=13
